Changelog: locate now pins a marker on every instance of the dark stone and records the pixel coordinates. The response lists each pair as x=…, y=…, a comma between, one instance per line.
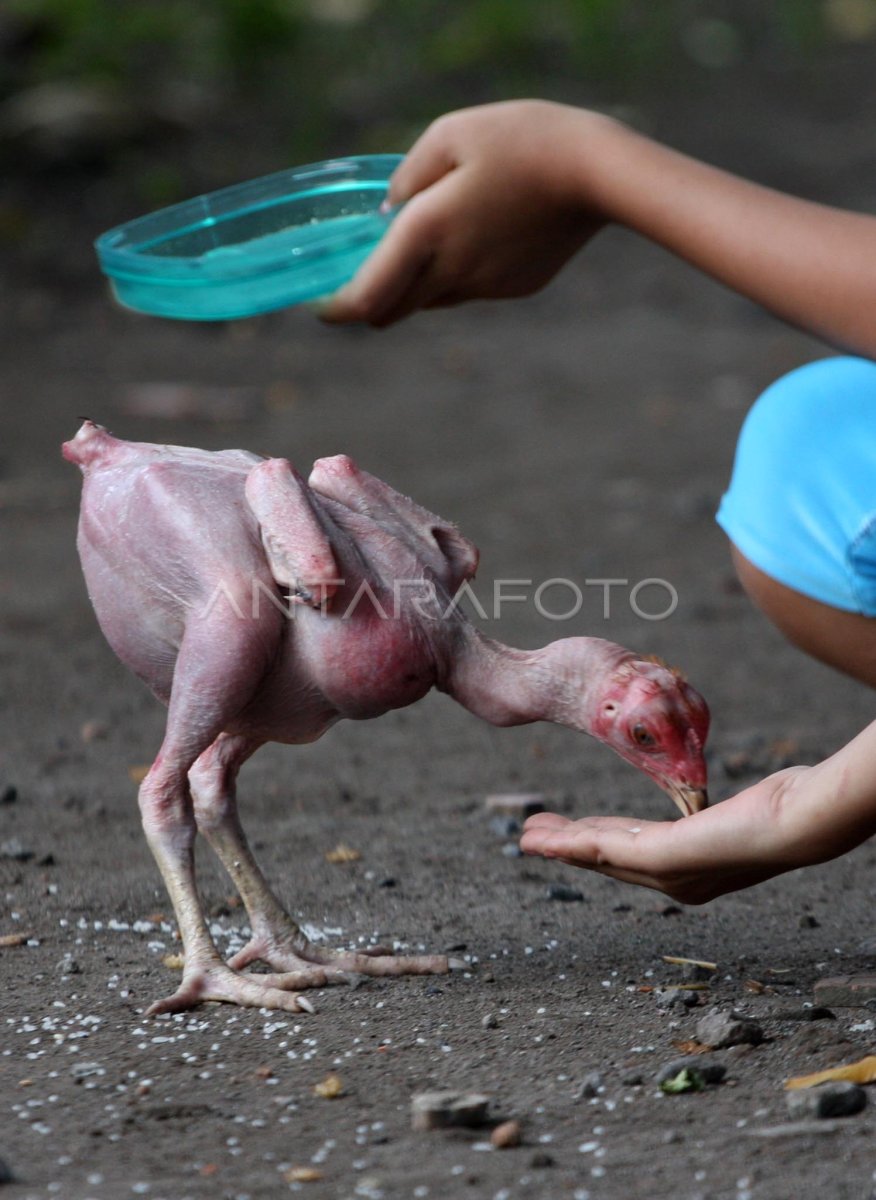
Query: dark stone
x=671, y=996
x=589, y=1086
x=816, y=1013
x=719, y=1029
x=846, y=991
x=839, y=1098
x=518, y=805
x=505, y=827
x=439, y=1110
x=8, y=794
x=564, y=893
x=14, y=849
x=742, y=1050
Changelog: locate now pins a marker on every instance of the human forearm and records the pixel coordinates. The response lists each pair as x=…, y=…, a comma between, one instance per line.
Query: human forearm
x=831, y=807
x=812, y=265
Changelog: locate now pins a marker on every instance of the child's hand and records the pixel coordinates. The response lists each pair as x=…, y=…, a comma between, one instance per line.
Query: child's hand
x=492, y=210
x=498, y=198
x=791, y=819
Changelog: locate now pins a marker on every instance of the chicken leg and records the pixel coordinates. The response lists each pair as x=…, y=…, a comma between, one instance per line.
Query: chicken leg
x=276, y=939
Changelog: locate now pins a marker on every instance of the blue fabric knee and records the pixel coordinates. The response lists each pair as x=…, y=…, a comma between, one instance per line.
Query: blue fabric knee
x=801, y=504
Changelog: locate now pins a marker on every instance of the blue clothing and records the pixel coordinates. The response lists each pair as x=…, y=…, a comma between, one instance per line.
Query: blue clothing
x=801, y=504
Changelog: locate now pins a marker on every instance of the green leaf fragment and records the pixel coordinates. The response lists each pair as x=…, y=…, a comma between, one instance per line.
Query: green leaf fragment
x=687, y=1080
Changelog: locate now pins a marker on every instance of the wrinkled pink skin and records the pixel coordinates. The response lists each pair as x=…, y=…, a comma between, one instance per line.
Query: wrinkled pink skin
x=176, y=542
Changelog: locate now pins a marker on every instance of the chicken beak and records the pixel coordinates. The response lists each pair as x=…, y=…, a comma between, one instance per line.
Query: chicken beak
x=688, y=799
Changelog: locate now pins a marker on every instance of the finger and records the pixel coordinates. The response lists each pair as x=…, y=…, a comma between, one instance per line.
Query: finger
x=417, y=296
x=427, y=161
x=421, y=295
x=610, y=846
x=594, y=842
x=400, y=259
x=545, y=820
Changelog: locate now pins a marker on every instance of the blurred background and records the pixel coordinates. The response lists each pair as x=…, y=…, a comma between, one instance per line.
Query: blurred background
x=144, y=102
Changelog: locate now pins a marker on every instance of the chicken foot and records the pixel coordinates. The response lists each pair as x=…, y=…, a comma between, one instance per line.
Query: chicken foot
x=276, y=939
x=170, y=830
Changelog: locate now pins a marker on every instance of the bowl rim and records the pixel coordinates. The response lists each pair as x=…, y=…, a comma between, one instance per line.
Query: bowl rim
x=121, y=259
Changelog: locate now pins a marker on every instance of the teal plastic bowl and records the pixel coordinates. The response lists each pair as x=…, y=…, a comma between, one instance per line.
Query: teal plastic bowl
x=273, y=242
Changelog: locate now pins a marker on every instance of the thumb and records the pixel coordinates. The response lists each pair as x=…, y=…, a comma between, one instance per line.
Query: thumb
x=428, y=160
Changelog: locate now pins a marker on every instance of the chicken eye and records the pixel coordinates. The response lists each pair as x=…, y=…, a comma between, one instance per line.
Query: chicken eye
x=641, y=736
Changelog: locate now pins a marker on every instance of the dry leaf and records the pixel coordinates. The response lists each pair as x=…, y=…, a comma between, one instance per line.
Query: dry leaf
x=302, y=1175
x=330, y=1088
x=139, y=772
x=175, y=962
x=342, y=854
x=754, y=985
x=14, y=939
x=862, y=1071
x=693, y=962
x=692, y=1047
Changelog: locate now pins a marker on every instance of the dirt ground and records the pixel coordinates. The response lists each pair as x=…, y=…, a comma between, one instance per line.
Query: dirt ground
x=586, y=433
